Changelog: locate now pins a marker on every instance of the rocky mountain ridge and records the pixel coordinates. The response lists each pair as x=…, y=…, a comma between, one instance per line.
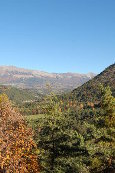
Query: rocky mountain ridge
x=24, y=78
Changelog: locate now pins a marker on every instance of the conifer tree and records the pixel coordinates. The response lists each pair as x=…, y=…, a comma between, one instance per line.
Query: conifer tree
x=61, y=146
x=101, y=144
x=108, y=106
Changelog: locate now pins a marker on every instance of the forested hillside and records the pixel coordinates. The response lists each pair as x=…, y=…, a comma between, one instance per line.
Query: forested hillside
x=20, y=96
x=90, y=90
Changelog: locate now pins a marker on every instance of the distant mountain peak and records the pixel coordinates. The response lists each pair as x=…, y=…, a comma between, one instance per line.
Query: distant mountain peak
x=25, y=78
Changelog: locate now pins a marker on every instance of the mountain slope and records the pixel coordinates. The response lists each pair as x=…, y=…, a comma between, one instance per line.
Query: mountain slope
x=23, y=78
x=19, y=96
x=90, y=90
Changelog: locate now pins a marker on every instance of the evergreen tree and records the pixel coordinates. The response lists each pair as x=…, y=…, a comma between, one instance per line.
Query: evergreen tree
x=101, y=135
x=108, y=106
x=61, y=146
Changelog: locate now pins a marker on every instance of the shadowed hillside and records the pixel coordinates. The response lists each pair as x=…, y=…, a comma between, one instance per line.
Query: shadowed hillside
x=90, y=90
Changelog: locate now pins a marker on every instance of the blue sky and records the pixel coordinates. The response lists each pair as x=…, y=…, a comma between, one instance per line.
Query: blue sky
x=58, y=35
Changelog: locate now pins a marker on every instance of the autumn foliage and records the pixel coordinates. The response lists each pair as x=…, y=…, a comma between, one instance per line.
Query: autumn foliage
x=17, y=149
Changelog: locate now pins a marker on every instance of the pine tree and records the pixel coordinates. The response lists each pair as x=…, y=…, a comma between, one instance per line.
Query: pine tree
x=61, y=146
x=101, y=143
x=108, y=106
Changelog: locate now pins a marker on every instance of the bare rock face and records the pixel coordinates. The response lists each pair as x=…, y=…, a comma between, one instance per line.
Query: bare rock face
x=35, y=79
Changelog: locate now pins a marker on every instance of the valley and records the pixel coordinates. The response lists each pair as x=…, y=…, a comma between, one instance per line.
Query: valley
x=67, y=124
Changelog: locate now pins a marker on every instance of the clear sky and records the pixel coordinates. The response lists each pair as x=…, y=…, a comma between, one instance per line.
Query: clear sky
x=58, y=35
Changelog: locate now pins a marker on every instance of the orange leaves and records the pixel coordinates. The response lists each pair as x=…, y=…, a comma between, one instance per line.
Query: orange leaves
x=81, y=106
x=16, y=143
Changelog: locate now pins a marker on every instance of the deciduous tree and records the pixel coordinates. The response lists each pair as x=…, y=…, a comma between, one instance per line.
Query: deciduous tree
x=17, y=148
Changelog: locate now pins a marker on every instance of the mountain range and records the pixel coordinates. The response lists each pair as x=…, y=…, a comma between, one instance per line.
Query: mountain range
x=88, y=92
x=34, y=79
